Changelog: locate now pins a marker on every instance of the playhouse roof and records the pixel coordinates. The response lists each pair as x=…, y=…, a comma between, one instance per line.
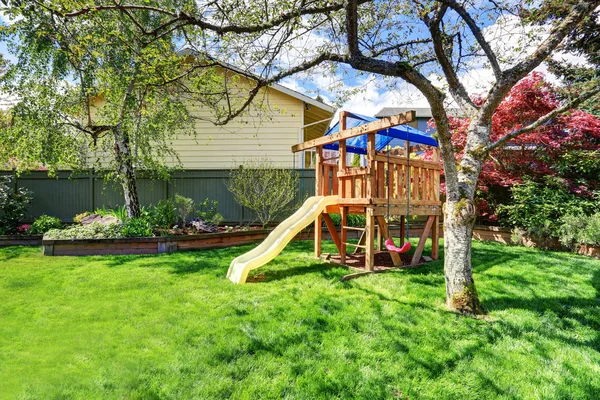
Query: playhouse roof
x=398, y=134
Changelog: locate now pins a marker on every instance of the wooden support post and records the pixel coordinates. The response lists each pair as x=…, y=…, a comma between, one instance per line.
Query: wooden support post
x=422, y=240
x=319, y=171
x=370, y=231
x=385, y=232
x=332, y=231
x=341, y=166
x=435, y=238
x=379, y=238
x=371, y=183
x=318, y=235
x=402, y=230
x=344, y=222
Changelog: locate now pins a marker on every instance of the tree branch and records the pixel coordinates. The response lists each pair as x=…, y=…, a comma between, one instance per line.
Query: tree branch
x=464, y=14
x=457, y=89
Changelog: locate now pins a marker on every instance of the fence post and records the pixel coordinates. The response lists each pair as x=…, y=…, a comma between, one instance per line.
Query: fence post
x=92, y=189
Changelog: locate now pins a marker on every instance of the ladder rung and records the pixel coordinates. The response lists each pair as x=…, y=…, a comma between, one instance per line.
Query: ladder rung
x=354, y=228
x=356, y=245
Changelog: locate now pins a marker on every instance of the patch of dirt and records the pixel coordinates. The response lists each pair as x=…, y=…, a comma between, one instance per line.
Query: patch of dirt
x=383, y=261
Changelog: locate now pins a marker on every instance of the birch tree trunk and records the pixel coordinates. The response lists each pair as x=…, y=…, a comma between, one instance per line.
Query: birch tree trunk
x=126, y=172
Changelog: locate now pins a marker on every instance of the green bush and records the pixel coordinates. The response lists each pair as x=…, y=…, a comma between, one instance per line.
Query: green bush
x=77, y=219
x=207, y=211
x=355, y=220
x=13, y=206
x=580, y=229
x=163, y=215
x=43, y=224
x=136, y=227
x=119, y=212
x=185, y=207
x=538, y=208
x=263, y=188
x=91, y=231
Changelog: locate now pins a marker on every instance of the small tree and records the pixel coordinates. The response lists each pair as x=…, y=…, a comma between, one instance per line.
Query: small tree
x=263, y=188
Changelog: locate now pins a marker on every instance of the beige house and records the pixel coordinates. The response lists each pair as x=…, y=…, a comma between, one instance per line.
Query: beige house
x=286, y=118
x=280, y=119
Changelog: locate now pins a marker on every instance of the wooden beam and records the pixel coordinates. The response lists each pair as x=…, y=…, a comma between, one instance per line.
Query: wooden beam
x=361, y=241
x=371, y=127
x=369, y=233
x=319, y=172
x=413, y=162
x=332, y=231
x=422, y=240
x=385, y=232
x=435, y=238
x=318, y=235
x=344, y=222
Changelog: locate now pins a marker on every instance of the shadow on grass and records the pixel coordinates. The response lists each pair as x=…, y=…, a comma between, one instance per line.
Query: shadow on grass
x=586, y=311
x=327, y=270
x=12, y=252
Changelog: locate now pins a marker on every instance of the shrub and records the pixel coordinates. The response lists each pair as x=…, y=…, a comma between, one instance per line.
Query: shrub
x=163, y=215
x=580, y=229
x=355, y=220
x=119, y=212
x=13, y=206
x=207, y=211
x=136, y=227
x=185, y=207
x=91, y=231
x=44, y=223
x=77, y=219
x=538, y=208
x=263, y=188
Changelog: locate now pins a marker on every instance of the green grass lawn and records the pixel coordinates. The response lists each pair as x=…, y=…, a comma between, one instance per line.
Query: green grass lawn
x=171, y=326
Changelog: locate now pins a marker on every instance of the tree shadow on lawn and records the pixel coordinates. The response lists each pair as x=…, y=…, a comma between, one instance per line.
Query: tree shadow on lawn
x=11, y=252
x=586, y=311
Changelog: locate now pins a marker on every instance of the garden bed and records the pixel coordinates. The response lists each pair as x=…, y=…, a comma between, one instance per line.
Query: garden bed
x=161, y=244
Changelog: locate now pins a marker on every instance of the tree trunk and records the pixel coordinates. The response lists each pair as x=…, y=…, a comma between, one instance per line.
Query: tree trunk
x=459, y=219
x=461, y=294
x=126, y=173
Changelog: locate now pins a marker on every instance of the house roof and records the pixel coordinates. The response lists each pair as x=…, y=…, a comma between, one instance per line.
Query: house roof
x=302, y=97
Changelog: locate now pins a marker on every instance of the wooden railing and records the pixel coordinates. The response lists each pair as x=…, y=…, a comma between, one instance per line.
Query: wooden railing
x=390, y=179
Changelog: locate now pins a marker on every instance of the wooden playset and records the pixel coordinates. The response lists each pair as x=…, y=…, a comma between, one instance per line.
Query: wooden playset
x=387, y=185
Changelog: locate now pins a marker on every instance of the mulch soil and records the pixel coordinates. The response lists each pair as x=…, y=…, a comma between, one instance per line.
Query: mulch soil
x=383, y=261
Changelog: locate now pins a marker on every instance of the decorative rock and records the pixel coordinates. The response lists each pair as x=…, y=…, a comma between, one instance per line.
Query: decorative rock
x=202, y=226
x=97, y=218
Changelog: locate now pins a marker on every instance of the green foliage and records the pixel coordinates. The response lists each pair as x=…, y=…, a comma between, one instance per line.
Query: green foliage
x=171, y=326
x=539, y=207
x=263, y=188
x=163, y=215
x=43, y=224
x=91, y=231
x=13, y=205
x=355, y=220
x=207, y=211
x=77, y=219
x=119, y=212
x=136, y=227
x=580, y=229
x=185, y=207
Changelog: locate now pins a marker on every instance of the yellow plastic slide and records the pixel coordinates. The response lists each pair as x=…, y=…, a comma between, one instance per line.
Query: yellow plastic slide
x=278, y=238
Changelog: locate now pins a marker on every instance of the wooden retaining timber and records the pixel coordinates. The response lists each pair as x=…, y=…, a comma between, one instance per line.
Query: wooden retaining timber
x=160, y=244
x=20, y=240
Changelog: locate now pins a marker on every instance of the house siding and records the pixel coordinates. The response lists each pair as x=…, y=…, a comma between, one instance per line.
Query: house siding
x=267, y=133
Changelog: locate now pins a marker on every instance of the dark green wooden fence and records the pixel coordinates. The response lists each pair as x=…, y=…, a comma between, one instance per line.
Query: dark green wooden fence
x=71, y=194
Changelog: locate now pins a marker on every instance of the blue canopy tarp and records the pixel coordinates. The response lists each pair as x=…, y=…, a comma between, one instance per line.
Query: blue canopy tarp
x=382, y=138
